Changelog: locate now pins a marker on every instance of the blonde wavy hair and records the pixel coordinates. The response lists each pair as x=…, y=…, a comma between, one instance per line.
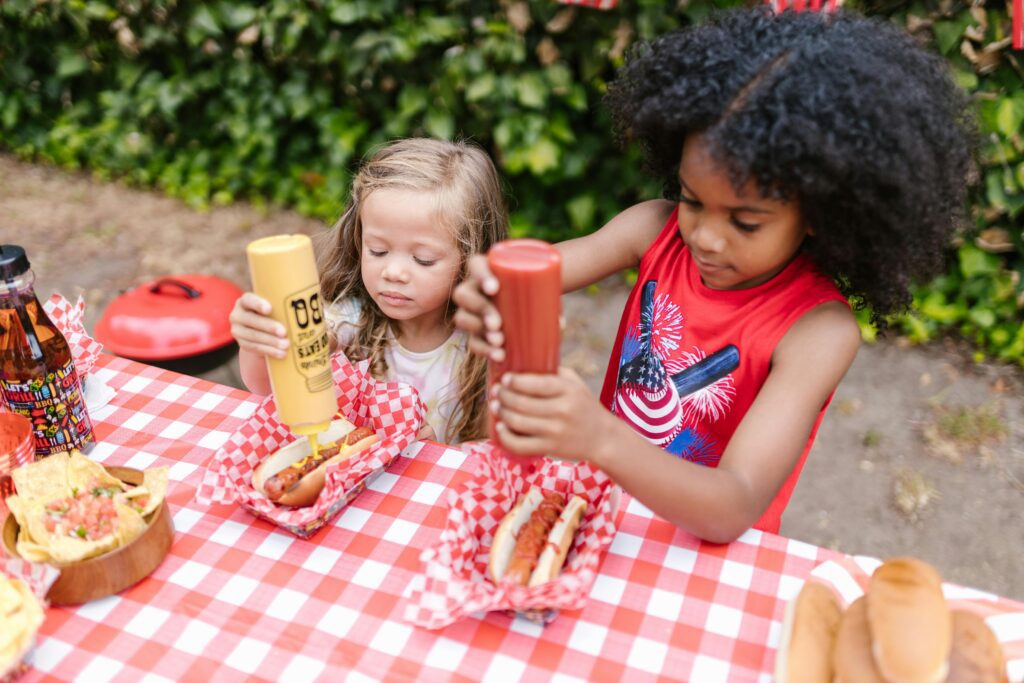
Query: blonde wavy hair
x=469, y=201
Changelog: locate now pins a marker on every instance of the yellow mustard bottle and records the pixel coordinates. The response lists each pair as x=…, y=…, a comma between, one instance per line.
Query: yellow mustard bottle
x=283, y=271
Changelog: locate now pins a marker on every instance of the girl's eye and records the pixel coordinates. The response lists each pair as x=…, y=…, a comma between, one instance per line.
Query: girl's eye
x=425, y=262
x=692, y=203
x=745, y=227
x=376, y=252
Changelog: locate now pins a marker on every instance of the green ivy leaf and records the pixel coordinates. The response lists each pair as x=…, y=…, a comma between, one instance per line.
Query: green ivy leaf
x=982, y=317
x=975, y=262
x=542, y=156
x=205, y=22
x=71, y=64
x=967, y=80
x=1010, y=115
x=237, y=15
x=480, y=87
x=948, y=34
x=531, y=91
x=935, y=307
x=994, y=189
x=581, y=211
x=440, y=124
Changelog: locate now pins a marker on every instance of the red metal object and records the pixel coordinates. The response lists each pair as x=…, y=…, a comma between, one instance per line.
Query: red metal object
x=169, y=318
x=1018, y=24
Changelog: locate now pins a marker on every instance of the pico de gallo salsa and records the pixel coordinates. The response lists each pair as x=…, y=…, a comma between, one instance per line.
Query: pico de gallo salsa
x=89, y=513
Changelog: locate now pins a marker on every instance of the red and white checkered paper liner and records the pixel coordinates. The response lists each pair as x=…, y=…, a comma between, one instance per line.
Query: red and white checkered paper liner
x=393, y=409
x=850, y=578
x=454, y=583
x=39, y=578
x=68, y=319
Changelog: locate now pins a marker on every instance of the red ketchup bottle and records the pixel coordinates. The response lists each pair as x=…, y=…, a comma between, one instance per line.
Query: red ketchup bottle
x=529, y=299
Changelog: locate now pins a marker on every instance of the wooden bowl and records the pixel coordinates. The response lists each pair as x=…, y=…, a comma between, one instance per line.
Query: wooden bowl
x=103, y=575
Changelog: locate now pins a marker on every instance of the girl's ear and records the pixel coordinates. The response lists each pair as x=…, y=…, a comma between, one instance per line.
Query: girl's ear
x=810, y=229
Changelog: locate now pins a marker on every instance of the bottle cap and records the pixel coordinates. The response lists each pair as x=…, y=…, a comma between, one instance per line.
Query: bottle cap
x=13, y=261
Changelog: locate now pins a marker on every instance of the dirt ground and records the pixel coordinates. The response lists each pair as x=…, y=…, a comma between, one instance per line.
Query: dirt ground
x=922, y=452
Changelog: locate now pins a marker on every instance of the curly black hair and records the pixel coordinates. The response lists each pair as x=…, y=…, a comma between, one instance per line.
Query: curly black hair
x=845, y=114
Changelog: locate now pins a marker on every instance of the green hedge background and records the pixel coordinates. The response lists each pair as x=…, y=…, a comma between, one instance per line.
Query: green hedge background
x=276, y=101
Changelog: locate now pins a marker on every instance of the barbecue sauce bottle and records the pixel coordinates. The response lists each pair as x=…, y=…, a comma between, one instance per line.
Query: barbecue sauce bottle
x=37, y=374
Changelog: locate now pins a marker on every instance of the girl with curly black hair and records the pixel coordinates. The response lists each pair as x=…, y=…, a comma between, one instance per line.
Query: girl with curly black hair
x=808, y=160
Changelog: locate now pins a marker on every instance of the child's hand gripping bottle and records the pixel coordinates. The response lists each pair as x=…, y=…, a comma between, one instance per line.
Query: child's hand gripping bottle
x=529, y=299
x=283, y=272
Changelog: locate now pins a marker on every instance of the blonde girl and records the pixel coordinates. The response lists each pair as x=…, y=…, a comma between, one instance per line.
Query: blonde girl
x=419, y=208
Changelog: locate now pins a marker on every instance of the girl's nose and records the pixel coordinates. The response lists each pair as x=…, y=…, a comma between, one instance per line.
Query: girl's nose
x=394, y=272
x=708, y=238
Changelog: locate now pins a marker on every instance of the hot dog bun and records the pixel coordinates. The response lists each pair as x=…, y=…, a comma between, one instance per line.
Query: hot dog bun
x=551, y=556
x=977, y=656
x=910, y=622
x=852, y=659
x=309, y=486
x=808, y=636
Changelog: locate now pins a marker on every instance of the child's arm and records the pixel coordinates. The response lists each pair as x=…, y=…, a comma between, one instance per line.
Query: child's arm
x=558, y=415
x=618, y=245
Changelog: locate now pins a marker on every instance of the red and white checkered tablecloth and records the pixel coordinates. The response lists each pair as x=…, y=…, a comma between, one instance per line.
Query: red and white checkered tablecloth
x=237, y=598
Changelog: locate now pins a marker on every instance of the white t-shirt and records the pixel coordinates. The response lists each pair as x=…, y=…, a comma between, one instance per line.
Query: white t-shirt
x=431, y=372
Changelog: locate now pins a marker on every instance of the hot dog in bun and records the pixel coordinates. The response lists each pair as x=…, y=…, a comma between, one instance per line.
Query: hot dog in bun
x=534, y=538
x=294, y=476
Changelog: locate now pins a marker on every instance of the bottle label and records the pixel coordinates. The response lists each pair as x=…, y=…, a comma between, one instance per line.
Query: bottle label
x=56, y=407
x=309, y=337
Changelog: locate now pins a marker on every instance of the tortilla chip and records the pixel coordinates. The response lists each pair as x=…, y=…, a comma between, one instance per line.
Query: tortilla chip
x=83, y=472
x=130, y=524
x=154, y=484
x=43, y=479
x=17, y=507
x=30, y=550
x=65, y=549
x=21, y=615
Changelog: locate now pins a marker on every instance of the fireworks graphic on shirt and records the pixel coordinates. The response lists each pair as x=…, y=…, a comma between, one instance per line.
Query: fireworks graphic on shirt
x=695, y=446
x=646, y=398
x=711, y=402
x=665, y=326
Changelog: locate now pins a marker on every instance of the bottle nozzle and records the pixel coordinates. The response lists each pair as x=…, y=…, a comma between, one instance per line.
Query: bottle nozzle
x=307, y=429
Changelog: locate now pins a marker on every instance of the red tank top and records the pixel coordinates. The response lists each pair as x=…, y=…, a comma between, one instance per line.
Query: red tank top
x=672, y=321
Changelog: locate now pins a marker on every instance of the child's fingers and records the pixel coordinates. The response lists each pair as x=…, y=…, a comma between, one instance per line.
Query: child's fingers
x=242, y=320
x=260, y=343
x=479, y=270
x=533, y=385
x=520, y=443
x=474, y=304
x=252, y=302
x=524, y=423
x=482, y=348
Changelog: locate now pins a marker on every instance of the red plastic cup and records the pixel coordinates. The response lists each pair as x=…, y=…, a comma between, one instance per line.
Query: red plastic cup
x=17, y=448
x=529, y=299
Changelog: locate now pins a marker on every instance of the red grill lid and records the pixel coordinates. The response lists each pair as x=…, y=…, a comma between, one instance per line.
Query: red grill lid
x=169, y=318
